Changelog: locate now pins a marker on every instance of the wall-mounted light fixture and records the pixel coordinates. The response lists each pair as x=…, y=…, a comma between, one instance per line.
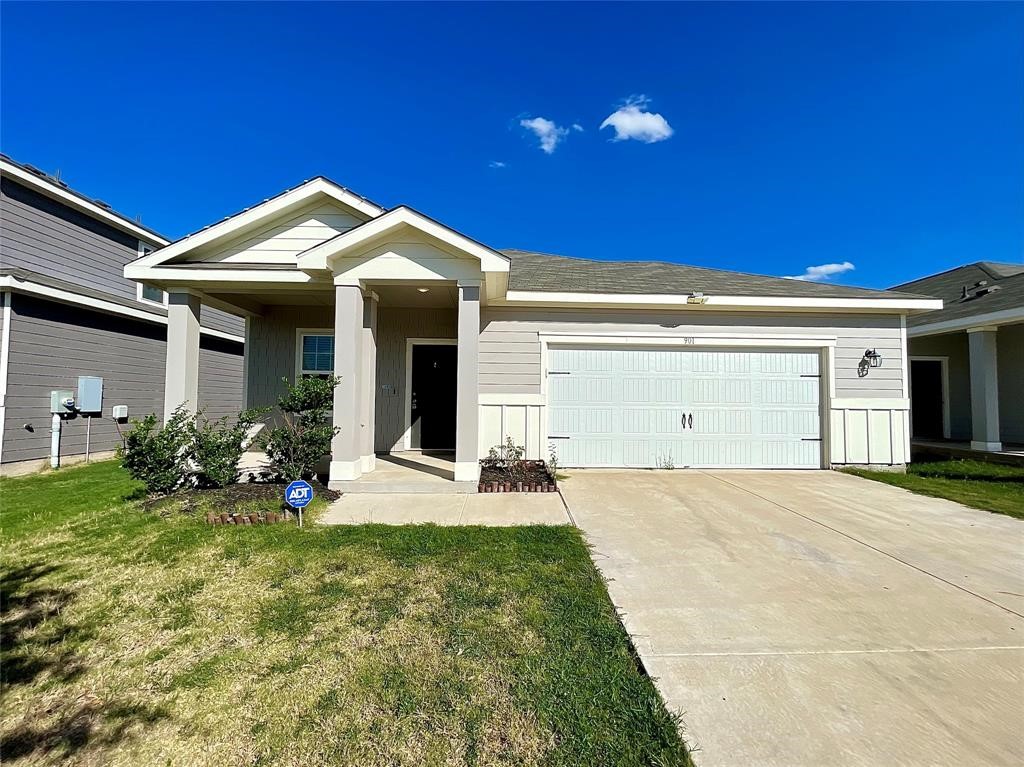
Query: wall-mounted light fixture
x=696, y=298
x=873, y=357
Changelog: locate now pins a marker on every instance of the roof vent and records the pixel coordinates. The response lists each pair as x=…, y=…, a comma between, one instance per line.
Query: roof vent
x=102, y=204
x=977, y=290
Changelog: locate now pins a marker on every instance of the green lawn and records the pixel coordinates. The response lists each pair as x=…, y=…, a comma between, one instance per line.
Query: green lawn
x=150, y=638
x=987, y=486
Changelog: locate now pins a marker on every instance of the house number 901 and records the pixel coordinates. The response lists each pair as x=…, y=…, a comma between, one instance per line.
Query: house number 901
x=687, y=340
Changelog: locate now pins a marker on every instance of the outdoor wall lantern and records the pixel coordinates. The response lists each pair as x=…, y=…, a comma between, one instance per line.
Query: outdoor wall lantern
x=871, y=359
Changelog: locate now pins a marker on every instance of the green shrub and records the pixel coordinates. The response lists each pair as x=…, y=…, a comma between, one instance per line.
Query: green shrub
x=159, y=458
x=295, y=447
x=217, y=447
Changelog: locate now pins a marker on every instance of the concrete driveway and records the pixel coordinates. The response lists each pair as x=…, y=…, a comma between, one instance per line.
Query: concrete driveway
x=815, y=618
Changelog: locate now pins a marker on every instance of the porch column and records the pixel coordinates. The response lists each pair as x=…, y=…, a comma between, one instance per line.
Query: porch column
x=346, y=446
x=181, y=371
x=467, y=430
x=369, y=382
x=984, y=389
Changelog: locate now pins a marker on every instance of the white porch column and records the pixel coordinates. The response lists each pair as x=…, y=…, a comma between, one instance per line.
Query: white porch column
x=467, y=430
x=984, y=389
x=369, y=382
x=181, y=371
x=346, y=446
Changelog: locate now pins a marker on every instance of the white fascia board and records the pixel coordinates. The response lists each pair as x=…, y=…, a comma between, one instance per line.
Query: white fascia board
x=1004, y=317
x=183, y=276
x=319, y=256
x=258, y=214
x=10, y=282
x=687, y=340
x=719, y=302
x=79, y=203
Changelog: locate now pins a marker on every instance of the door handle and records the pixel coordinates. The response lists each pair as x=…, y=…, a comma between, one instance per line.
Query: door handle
x=690, y=419
x=683, y=420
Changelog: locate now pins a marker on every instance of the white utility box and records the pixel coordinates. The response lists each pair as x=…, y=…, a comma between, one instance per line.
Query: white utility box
x=62, y=402
x=90, y=394
x=119, y=413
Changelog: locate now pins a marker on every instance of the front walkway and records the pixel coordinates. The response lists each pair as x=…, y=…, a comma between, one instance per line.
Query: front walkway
x=815, y=618
x=498, y=510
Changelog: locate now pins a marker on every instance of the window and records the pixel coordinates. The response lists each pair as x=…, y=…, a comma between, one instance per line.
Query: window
x=148, y=293
x=316, y=355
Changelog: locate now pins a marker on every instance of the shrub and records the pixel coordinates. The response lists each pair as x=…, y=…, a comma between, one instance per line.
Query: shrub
x=218, y=447
x=159, y=458
x=295, y=447
x=509, y=458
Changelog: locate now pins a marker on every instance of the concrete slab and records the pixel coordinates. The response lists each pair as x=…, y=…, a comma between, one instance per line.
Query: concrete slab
x=812, y=618
x=445, y=509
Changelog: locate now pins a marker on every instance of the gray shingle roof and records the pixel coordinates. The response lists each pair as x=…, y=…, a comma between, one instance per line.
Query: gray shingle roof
x=546, y=272
x=949, y=286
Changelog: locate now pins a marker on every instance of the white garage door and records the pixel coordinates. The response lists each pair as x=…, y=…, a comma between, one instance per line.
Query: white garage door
x=683, y=407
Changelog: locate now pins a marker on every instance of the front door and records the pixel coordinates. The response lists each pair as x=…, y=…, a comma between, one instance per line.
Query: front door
x=432, y=398
x=926, y=418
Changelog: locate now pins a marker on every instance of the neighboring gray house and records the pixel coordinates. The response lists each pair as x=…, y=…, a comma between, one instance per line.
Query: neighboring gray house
x=967, y=360
x=444, y=343
x=67, y=311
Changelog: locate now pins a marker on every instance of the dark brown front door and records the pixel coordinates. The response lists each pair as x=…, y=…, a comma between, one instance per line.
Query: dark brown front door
x=433, y=396
x=926, y=399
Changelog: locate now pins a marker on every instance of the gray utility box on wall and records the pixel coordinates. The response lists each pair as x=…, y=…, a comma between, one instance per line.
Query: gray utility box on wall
x=90, y=394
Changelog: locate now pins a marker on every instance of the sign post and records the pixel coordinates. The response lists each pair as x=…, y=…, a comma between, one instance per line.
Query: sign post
x=298, y=495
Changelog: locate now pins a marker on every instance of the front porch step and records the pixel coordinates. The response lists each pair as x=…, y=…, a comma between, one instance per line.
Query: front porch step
x=355, y=486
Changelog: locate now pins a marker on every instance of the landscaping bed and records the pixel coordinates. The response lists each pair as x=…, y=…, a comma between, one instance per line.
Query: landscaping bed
x=264, y=500
x=532, y=477
x=132, y=637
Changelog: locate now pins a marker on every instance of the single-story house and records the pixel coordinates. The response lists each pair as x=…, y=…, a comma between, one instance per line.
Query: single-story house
x=445, y=343
x=967, y=360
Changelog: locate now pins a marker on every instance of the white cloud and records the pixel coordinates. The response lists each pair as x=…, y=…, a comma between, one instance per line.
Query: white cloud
x=497, y=164
x=577, y=127
x=823, y=272
x=632, y=121
x=549, y=134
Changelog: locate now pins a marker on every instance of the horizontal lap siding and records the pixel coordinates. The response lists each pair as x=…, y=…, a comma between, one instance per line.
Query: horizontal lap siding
x=511, y=337
x=272, y=354
x=52, y=344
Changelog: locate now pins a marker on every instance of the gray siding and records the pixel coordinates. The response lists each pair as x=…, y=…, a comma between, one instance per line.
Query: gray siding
x=1010, y=363
x=53, y=343
x=45, y=236
x=394, y=327
x=271, y=354
x=510, y=344
x=1010, y=353
x=953, y=346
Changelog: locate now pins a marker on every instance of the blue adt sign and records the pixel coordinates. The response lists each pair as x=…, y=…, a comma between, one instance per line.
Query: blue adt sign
x=298, y=494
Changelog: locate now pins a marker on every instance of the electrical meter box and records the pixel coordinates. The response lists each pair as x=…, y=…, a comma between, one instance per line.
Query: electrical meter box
x=90, y=394
x=62, y=402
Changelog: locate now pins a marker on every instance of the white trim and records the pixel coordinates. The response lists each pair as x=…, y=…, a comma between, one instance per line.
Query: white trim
x=409, y=344
x=5, y=359
x=512, y=399
x=869, y=403
x=258, y=213
x=944, y=382
x=988, y=447
x=57, y=192
x=245, y=363
x=904, y=353
x=467, y=471
x=299, y=333
x=139, y=297
x=1003, y=317
x=320, y=256
x=346, y=470
x=10, y=282
x=186, y=276
x=746, y=302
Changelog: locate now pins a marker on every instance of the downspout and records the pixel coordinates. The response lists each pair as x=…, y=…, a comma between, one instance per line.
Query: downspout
x=6, y=299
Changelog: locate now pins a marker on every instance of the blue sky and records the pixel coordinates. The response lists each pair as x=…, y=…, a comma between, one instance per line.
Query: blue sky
x=887, y=136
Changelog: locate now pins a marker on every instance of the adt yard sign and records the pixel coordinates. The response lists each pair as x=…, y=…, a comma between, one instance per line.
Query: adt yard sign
x=298, y=495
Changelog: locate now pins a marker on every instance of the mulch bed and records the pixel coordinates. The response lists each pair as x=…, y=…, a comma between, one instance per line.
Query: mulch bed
x=535, y=479
x=230, y=501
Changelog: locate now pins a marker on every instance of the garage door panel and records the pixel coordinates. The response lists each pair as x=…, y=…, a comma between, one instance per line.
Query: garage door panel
x=623, y=407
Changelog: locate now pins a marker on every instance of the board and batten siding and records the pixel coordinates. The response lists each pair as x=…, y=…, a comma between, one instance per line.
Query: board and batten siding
x=42, y=235
x=860, y=432
x=52, y=344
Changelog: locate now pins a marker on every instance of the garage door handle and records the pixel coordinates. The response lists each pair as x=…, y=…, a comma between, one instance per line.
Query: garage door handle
x=690, y=419
x=683, y=420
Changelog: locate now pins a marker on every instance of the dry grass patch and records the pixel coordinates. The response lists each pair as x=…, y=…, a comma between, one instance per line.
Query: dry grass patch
x=147, y=637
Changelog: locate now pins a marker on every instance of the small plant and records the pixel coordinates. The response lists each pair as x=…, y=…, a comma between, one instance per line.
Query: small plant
x=552, y=460
x=218, y=447
x=509, y=458
x=159, y=458
x=295, y=447
x=665, y=462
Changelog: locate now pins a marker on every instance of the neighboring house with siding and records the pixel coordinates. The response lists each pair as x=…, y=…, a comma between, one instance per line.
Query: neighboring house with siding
x=967, y=360
x=444, y=343
x=68, y=311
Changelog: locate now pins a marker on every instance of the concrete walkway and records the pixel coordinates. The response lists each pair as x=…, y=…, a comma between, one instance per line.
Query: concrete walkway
x=499, y=510
x=815, y=618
